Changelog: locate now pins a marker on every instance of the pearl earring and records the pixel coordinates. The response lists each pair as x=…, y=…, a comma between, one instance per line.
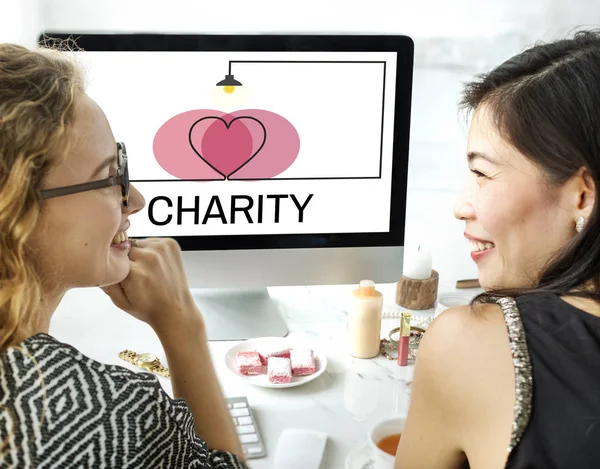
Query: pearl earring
x=580, y=224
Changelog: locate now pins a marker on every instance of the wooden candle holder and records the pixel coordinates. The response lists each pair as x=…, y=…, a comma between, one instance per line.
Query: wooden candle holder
x=417, y=294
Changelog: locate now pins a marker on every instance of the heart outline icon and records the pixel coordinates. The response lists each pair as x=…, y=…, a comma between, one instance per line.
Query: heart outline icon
x=228, y=126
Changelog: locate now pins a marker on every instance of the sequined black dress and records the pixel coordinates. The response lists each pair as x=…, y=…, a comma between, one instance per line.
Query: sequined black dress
x=556, y=354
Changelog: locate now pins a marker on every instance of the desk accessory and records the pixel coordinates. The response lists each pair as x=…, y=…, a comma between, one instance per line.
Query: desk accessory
x=403, y=343
x=389, y=347
x=417, y=294
x=146, y=361
x=468, y=283
x=272, y=343
x=421, y=321
x=246, y=427
x=417, y=264
x=417, y=289
x=451, y=300
x=364, y=320
x=299, y=449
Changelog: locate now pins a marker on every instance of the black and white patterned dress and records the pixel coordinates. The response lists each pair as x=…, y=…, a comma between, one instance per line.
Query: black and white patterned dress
x=60, y=409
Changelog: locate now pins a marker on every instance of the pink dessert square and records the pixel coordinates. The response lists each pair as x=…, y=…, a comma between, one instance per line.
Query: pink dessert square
x=303, y=362
x=248, y=363
x=273, y=351
x=279, y=370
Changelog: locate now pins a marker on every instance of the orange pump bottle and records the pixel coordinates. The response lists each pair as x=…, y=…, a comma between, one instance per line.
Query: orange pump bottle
x=364, y=321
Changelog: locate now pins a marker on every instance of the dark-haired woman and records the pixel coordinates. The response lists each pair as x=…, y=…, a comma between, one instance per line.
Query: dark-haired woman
x=513, y=380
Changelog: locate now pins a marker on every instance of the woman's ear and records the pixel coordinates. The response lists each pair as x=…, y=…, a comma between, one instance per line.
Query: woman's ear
x=587, y=189
x=584, y=189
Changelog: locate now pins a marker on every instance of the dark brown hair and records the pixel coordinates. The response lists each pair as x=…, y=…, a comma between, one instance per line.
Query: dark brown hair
x=546, y=103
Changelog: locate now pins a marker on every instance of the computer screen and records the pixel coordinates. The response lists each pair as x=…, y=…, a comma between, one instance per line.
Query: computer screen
x=305, y=148
x=263, y=154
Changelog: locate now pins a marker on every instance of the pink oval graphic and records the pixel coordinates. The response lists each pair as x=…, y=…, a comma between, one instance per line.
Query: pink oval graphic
x=206, y=144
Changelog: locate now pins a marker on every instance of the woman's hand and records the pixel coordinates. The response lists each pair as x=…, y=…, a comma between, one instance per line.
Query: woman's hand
x=156, y=290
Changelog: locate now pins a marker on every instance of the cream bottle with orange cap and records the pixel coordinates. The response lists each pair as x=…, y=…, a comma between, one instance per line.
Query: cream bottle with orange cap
x=364, y=321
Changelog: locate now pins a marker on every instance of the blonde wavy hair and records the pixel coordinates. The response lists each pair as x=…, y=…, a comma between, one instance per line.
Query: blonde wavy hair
x=38, y=91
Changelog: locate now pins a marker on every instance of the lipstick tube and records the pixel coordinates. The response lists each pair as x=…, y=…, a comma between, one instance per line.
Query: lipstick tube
x=404, y=341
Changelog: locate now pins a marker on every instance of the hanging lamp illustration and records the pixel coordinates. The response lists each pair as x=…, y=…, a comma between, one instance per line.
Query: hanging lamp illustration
x=229, y=93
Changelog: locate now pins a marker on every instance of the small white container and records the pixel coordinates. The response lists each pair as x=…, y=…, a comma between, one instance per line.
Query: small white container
x=451, y=299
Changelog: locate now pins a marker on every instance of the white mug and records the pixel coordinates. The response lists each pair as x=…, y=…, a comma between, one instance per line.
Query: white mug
x=380, y=430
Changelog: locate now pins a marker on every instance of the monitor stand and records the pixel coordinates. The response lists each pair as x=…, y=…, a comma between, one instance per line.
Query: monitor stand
x=239, y=314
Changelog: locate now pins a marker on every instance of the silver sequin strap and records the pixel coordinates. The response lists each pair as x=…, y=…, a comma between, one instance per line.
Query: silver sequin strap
x=522, y=364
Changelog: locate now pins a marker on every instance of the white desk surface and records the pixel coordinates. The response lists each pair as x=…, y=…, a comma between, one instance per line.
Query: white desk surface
x=344, y=402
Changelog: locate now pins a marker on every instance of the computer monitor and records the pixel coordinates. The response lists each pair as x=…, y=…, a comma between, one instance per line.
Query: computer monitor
x=272, y=159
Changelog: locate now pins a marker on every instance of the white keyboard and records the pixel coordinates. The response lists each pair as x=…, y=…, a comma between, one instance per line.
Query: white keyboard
x=246, y=427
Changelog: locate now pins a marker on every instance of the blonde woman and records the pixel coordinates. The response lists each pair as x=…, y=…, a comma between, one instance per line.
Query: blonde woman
x=65, y=203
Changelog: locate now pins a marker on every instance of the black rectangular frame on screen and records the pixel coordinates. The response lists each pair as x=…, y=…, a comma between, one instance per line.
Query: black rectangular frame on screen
x=402, y=45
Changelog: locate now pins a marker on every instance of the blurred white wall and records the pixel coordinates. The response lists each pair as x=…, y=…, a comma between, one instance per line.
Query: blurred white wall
x=20, y=21
x=452, y=32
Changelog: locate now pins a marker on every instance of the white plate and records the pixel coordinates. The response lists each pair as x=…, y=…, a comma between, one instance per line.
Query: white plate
x=360, y=458
x=262, y=379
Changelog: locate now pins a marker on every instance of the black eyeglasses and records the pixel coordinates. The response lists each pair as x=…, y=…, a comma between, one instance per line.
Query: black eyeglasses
x=121, y=179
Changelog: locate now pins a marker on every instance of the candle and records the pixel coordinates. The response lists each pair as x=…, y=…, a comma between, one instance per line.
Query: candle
x=418, y=264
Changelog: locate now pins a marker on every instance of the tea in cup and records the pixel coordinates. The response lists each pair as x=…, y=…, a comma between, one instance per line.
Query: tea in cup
x=383, y=441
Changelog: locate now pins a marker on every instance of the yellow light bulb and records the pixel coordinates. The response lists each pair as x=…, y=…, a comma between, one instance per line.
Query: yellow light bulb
x=229, y=89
